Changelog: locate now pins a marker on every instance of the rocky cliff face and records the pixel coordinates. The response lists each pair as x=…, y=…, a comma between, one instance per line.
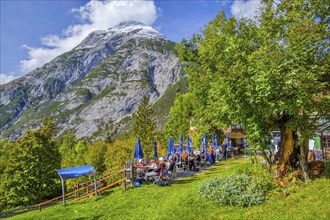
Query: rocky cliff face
x=97, y=83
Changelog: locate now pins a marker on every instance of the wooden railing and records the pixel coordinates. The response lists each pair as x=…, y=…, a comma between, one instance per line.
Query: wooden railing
x=87, y=186
x=99, y=190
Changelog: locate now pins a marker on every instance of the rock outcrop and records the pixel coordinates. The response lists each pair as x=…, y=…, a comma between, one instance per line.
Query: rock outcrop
x=97, y=83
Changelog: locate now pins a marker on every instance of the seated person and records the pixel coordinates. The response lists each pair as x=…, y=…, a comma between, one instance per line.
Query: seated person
x=151, y=165
x=172, y=162
x=184, y=158
x=140, y=171
x=198, y=158
x=211, y=154
x=177, y=158
x=158, y=170
x=191, y=159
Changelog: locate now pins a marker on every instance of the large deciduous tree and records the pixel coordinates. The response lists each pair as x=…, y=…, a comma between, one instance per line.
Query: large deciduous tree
x=269, y=73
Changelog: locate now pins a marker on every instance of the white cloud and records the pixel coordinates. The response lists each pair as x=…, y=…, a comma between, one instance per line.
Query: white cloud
x=95, y=15
x=247, y=9
x=5, y=78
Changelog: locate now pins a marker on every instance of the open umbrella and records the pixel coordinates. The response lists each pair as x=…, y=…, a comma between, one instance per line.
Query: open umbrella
x=138, y=154
x=155, y=149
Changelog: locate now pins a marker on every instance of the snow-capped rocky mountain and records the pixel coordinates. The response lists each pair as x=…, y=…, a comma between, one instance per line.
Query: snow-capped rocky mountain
x=96, y=84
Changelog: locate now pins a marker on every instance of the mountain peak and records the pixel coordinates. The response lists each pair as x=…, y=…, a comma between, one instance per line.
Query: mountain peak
x=119, y=34
x=138, y=27
x=131, y=23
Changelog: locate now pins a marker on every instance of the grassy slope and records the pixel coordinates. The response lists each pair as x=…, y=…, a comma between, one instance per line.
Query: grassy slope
x=181, y=201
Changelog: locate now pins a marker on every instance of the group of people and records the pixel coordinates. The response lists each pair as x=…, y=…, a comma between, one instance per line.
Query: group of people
x=161, y=167
x=187, y=161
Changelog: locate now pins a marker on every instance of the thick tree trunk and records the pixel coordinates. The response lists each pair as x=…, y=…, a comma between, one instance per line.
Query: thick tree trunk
x=286, y=151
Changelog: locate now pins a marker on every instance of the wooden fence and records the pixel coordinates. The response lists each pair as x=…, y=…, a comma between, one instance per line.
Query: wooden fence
x=89, y=187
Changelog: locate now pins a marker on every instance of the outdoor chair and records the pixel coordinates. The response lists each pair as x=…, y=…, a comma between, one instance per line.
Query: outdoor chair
x=178, y=169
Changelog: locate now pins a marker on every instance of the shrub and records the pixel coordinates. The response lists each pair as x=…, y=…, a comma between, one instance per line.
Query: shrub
x=236, y=190
x=327, y=168
x=262, y=178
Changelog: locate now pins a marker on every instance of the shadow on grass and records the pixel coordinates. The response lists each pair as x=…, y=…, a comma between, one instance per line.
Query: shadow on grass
x=94, y=217
x=187, y=180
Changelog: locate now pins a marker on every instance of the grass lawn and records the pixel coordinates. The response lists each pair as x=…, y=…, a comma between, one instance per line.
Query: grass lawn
x=180, y=200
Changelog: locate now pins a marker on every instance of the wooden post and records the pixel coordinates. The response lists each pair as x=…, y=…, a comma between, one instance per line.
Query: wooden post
x=95, y=185
x=126, y=179
x=77, y=191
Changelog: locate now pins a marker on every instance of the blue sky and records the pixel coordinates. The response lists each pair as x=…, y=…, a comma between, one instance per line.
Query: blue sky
x=34, y=32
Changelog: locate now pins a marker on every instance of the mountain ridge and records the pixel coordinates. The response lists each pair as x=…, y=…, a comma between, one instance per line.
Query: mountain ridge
x=113, y=67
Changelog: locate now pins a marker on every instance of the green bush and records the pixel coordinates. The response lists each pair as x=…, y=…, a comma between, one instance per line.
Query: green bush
x=236, y=190
x=327, y=168
x=262, y=178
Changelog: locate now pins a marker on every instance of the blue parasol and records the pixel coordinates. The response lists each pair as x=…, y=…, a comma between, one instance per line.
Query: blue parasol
x=245, y=143
x=227, y=140
x=204, y=143
x=173, y=150
x=138, y=154
x=214, y=141
x=170, y=148
x=181, y=145
x=155, y=148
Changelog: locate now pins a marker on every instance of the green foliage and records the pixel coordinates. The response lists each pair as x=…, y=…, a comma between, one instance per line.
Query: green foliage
x=327, y=168
x=6, y=151
x=264, y=75
x=262, y=178
x=144, y=126
x=237, y=190
x=95, y=155
x=180, y=116
x=30, y=175
x=72, y=151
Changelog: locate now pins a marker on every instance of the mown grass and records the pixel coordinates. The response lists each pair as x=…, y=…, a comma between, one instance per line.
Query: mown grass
x=181, y=201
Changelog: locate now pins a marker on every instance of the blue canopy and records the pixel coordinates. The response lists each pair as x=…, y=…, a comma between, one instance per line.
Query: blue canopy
x=189, y=145
x=181, y=145
x=74, y=172
x=155, y=148
x=138, y=154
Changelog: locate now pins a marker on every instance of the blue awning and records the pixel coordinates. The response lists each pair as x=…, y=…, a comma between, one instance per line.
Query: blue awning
x=74, y=172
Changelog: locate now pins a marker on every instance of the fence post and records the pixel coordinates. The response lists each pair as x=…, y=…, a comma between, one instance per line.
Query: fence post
x=125, y=175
